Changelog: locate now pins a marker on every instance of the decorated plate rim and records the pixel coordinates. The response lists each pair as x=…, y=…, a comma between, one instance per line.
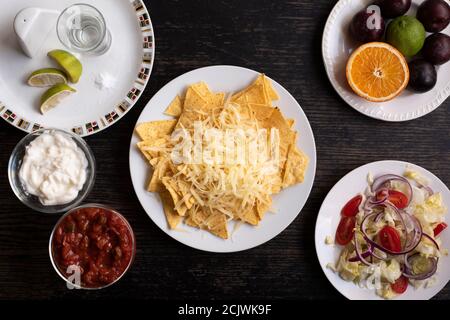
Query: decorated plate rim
x=121, y=108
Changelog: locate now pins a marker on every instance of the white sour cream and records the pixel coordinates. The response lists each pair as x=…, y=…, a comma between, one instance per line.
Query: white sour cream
x=53, y=168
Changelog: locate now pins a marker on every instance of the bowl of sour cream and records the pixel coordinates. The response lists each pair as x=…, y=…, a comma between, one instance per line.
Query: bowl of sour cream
x=51, y=170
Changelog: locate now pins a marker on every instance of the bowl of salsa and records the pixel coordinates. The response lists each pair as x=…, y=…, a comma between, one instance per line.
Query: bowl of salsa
x=92, y=246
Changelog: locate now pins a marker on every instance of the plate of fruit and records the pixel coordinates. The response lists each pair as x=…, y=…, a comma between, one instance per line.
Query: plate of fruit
x=388, y=58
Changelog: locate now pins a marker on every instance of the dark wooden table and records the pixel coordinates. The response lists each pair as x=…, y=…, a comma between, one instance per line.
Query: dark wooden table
x=283, y=40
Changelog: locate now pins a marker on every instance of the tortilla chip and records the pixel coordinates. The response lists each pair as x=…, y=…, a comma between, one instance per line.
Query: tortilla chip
x=154, y=161
x=196, y=217
x=173, y=219
x=193, y=100
x=242, y=99
x=145, y=153
x=251, y=216
x=245, y=112
x=295, y=169
x=257, y=94
x=159, y=172
x=149, y=148
x=155, y=129
x=212, y=100
x=290, y=122
x=240, y=96
x=218, y=99
x=175, y=108
x=271, y=93
x=287, y=136
x=184, y=190
x=195, y=108
x=277, y=120
x=172, y=187
x=217, y=225
x=277, y=183
x=190, y=219
x=263, y=207
x=260, y=91
x=201, y=88
x=216, y=222
x=261, y=111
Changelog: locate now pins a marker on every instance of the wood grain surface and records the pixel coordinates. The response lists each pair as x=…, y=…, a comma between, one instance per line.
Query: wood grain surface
x=283, y=40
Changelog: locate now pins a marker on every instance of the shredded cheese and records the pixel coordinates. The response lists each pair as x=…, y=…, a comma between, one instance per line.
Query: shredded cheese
x=229, y=187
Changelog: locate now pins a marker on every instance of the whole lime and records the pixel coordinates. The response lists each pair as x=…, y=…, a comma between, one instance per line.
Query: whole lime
x=407, y=34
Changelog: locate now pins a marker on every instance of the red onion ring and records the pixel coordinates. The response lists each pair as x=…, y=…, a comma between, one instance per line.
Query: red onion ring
x=365, y=254
x=388, y=204
x=409, y=246
x=384, y=192
x=359, y=255
x=367, y=207
x=427, y=188
x=431, y=239
x=370, y=253
x=407, y=272
x=406, y=263
x=379, y=216
x=384, y=179
x=377, y=256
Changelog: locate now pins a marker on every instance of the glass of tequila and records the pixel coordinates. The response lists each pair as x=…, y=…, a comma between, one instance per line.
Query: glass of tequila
x=82, y=28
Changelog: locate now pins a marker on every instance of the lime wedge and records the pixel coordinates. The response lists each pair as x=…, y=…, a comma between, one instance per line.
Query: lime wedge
x=46, y=77
x=53, y=96
x=71, y=65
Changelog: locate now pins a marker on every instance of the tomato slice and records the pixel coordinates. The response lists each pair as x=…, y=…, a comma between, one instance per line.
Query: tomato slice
x=439, y=228
x=351, y=208
x=397, y=198
x=390, y=239
x=400, y=285
x=345, y=230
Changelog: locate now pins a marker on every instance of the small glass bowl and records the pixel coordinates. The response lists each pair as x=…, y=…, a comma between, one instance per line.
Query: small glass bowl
x=15, y=162
x=91, y=205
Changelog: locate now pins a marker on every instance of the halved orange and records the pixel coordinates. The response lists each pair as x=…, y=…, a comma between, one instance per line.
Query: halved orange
x=377, y=71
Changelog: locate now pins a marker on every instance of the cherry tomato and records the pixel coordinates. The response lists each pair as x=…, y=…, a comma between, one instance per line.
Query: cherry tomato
x=400, y=285
x=439, y=228
x=352, y=207
x=390, y=239
x=397, y=198
x=344, y=232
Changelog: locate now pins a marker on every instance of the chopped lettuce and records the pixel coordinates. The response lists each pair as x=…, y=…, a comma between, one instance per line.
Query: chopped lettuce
x=414, y=175
x=432, y=210
x=386, y=292
x=348, y=271
x=390, y=270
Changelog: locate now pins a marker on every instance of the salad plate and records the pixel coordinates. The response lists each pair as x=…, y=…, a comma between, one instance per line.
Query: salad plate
x=355, y=183
x=337, y=47
x=287, y=204
x=127, y=66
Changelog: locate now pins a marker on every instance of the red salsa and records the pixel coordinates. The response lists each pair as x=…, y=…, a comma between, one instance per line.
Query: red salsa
x=99, y=241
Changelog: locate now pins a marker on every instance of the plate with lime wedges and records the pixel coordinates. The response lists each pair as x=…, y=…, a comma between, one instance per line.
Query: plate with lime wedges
x=76, y=92
x=383, y=57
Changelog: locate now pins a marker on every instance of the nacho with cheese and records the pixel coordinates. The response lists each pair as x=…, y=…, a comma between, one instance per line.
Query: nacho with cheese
x=222, y=156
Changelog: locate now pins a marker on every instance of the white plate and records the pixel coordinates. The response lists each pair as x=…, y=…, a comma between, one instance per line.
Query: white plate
x=90, y=110
x=329, y=216
x=289, y=202
x=336, y=49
